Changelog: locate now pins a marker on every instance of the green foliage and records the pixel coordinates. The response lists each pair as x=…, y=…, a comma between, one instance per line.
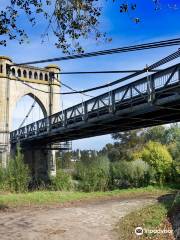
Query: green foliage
x=66, y=160
x=163, y=135
x=156, y=134
x=130, y=138
x=174, y=149
x=62, y=181
x=94, y=176
x=15, y=178
x=55, y=197
x=158, y=157
x=87, y=156
x=1, y=177
x=114, y=155
x=128, y=143
x=69, y=21
x=130, y=174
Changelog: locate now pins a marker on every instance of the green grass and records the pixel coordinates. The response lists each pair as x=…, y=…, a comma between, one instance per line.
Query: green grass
x=151, y=217
x=55, y=197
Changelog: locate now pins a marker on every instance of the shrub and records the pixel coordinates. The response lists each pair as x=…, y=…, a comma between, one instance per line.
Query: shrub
x=62, y=181
x=1, y=177
x=174, y=150
x=93, y=176
x=16, y=176
x=130, y=174
x=158, y=157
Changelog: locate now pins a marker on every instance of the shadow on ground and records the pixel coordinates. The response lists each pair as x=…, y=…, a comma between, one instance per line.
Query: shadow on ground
x=3, y=207
x=173, y=213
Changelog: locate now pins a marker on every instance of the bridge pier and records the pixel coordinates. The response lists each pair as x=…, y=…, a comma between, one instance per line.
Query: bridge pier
x=40, y=159
x=3, y=158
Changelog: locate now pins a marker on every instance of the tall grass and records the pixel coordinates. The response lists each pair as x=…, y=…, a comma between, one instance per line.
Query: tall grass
x=62, y=181
x=131, y=174
x=93, y=176
x=16, y=176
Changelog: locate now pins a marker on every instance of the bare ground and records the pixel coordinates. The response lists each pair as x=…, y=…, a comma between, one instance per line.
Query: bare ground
x=88, y=221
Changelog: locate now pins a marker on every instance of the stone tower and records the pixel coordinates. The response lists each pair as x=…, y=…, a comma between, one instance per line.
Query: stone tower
x=18, y=82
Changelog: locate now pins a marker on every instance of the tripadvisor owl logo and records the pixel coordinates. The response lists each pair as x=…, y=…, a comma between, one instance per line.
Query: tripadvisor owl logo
x=139, y=231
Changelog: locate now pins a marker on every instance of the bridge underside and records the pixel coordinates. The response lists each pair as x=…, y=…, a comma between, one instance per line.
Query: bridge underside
x=165, y=110
x=150, y=101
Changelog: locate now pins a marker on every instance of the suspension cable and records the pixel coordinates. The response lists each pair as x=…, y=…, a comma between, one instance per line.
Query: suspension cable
x=155, y=65
x=158, y=44
x=107, y=72
x=27, y=115
x=72, y=89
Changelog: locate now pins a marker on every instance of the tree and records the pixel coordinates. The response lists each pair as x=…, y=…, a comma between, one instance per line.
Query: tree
x=156, y=134
x=114, y=155
x=158, y=157
x=128, y=143
x=173, y=134
x=162, y=134
x=130, y=139
x=69, y=20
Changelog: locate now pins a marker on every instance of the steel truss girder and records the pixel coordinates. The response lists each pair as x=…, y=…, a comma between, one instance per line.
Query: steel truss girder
x=148, y=90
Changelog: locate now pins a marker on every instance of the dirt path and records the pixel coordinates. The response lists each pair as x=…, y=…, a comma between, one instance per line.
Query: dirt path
x=91, y=221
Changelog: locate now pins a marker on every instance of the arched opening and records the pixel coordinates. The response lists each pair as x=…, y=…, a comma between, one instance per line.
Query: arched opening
x=24, y=74
x=28, y=109
x=35, y=75
x=19, y=73
x=41, y=76
x=1, y=68
x=46, y=77
x=13, y=72
x=30, y=74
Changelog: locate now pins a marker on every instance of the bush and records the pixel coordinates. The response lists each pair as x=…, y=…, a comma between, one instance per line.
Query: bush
x=16, y=176
x=130, y=174
x=62, y=181
x=93, y=176
x=1, y=177
x=174, y=150
x=158, y=157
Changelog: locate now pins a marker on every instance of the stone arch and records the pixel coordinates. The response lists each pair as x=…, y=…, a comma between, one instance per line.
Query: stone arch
x=43, y=105
x=35, y=75
x=40, y=76
x=30, y=74
x=46, y=77
x=1, y=68
x=25, y=74
x=43, y=108
x=13, y=72
x=19, y=72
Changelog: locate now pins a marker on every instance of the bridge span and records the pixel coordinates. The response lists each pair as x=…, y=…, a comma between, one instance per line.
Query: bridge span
x=149, y=101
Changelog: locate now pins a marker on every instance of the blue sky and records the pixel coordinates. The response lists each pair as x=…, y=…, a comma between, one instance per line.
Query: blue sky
x=153, y=26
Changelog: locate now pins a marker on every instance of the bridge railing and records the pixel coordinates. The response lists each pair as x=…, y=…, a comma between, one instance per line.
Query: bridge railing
x=133, y=93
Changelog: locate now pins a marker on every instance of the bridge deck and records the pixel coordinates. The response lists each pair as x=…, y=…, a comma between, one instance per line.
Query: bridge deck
x=149, y=101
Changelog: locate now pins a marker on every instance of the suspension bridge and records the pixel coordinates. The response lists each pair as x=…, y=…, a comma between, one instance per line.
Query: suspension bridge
x=150, y=100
